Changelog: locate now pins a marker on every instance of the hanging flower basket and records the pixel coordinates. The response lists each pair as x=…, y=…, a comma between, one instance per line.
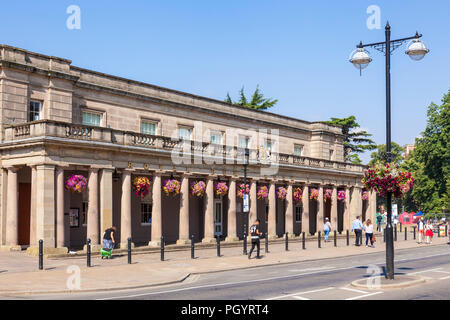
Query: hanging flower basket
x=221, y=188
x=76, y=183
x=241, y=191
x=388, y=178
x=171, y=187
x=314, y=194
x=263, y=193
x=341, y=195
x=365, y=195
x=327, y=195
x=141, y=186
x=198, y=188
x=297, y=194
x=282, y=193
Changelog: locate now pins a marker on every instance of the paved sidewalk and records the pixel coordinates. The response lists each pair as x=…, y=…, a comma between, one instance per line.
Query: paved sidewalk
x=19, y=274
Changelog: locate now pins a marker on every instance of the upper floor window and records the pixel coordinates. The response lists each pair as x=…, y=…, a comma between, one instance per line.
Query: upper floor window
x=148, y=127
x=185, y=133
x=92, y=118
x=35, y=111
x=331, y=154
x=243, y=142
x=298, y=150
x=268, y=145
x=216, y=137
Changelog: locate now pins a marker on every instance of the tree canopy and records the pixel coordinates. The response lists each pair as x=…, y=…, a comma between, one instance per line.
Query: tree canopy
x=355, y=141
x=380, y=155
x=257, y=101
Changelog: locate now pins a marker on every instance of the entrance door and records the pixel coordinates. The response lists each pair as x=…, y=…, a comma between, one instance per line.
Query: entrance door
x=24, y=213
x=218, y=217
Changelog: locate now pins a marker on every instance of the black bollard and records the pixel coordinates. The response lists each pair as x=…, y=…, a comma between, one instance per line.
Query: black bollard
x=335, y=238
x=287, y=241
x=303, y=241
x=384, y=235
x=400, y=227
x=395, y=233
x=348, y=238
x=414, y=232
x=129, y=250
x=41, y=254
x=192, y=247
x=318, y=239
x=88, y=252
x=162, y=248
x=218, y=246
x=406, y=233
x=266, y=243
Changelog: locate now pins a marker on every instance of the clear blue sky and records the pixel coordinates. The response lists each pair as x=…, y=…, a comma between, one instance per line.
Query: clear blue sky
x=297, y=51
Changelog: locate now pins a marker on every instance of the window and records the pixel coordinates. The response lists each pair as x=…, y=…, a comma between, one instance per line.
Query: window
x=243, y=142
x=298, y=150
x=146, y=213
x=268, y=145
x=331, y=154
x=148, y=127
x=216, y=137
x=35, y=111
x=267, y=214
x=84, y=213
x=185, y=133
x=298, y=214
x=92, y=118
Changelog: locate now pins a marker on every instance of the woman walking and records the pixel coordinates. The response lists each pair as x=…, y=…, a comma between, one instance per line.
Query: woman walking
x=428, y=232
x=368, y=228
x=326, y=229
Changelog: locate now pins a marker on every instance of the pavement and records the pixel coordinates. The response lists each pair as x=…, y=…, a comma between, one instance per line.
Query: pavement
x=19, y=274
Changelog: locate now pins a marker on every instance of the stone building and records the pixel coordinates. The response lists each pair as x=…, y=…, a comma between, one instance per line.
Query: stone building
x=58, y=120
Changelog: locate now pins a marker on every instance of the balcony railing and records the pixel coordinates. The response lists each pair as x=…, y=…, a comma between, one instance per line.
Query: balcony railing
x=48, y=128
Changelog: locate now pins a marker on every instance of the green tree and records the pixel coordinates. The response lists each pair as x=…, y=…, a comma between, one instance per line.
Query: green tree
x=380, y=155
x=430, y=162
x=257, y=102
x=355, y=141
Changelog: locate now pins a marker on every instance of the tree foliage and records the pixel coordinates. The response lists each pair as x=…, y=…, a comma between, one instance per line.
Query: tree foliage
x=355, y=141
x=381, y=156
x=257, y=101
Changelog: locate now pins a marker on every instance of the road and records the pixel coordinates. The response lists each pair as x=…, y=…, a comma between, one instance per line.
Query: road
x=321, y=279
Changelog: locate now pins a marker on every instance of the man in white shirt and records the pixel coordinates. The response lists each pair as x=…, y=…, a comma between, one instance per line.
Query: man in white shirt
x=420, y=227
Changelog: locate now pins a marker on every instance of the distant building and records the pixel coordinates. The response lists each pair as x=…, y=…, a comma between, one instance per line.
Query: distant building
x=408, y=149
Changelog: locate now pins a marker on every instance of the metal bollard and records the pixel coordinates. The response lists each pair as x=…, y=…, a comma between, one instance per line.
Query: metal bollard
x=266, y=243
x=192, y=247
x=406, y=233
x=318, y=239
x=162, y=248
x=348, y=238
x=129, y=250
x=335, y=238
x=439, y=231
x=287, y=241
x=41, y=254
x=400, y=227
x=218, y=246
x=384, y=235
x=88, y=252
x=414, y=232
x=395, y=233
x=244, y=249
x=303, y=241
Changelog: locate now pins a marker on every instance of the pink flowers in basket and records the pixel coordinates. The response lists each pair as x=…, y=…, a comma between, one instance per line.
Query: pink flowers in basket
x=198, y=188
x=365, y=195
x=388, y=178
x=297, y=194
x=241, y=191
x=327, y=195
x=171, y=186
x=141, y=186
x=76, y=183
x=282, y=193
x=314, y=194
x=263, y=193
x=341, y=195
x=221, y=188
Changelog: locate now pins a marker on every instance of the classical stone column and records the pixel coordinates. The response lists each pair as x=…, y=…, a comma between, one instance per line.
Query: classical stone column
x=272, y=222
x=4, y=197
x=92, y=215
x=183, y=237
x=289, y=214
x=12, y=211
x=106, y=199
x=60, y=227
x=156, y=210
x=232, y=235
x=125, y=215
x=305, y=212
x=209, y=211
x=33, y=240
x=347, y=215
x=373, y=206
x=320, y=210
x=356, y=204
x=334, y=209
x=253, y=214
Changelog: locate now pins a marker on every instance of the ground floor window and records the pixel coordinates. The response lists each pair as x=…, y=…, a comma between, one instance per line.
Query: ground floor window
x=146, y=213
x=298, y=214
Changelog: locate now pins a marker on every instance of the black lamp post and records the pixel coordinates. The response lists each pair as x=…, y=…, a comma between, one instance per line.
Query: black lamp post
x=360, y=59
x=246, y=200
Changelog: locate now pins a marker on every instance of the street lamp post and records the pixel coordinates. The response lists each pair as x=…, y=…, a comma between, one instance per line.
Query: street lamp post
x=246, y=200
x=361, y=59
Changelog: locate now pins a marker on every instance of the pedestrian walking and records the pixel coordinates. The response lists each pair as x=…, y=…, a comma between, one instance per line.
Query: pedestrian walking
x=421, y=229
x=379, y=219
x=368, y=228
x=326, y=229
x=108, y=242
x=255, y=234
x=357, y=228
x=428, y=232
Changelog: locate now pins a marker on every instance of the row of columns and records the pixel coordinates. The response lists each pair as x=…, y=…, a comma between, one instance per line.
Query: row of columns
x=47, y=215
